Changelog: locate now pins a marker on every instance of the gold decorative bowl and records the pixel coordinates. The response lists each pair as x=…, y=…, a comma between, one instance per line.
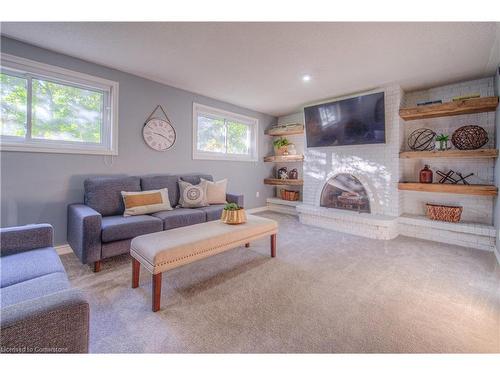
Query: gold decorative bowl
x=234, y=217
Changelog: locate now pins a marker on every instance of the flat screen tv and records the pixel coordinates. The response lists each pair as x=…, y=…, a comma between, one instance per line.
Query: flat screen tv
x=353, y=121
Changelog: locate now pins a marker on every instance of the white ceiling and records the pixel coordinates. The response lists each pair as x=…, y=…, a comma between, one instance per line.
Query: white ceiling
x=259, y=65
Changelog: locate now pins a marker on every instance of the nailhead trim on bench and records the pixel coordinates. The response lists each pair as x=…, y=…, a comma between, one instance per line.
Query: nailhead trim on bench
x=208, y=250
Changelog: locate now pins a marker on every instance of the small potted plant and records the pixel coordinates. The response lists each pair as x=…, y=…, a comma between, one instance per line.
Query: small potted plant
x=281, y=146
x=233, y=214
x=442, y=142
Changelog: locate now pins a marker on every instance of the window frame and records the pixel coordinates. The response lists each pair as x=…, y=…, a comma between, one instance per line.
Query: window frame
x=252, y=122
x=29, y=69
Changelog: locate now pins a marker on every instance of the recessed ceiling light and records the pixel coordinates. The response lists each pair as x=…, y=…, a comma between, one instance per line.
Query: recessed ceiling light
x=306, y=78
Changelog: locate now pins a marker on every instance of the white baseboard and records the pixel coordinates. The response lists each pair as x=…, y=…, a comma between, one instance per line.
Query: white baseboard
x=256, y=209
x=63, y=249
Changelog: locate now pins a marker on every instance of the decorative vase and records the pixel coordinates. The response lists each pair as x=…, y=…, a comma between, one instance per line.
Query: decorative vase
x=280, y=151
x=442, y=145
x=426, y=175
x=234, y=216
x=291, y=149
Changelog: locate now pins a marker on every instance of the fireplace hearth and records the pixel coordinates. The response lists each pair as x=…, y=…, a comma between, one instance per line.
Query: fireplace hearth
x=345, y=192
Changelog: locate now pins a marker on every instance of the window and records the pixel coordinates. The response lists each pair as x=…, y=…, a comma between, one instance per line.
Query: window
x=45, y=108
x=218, y=134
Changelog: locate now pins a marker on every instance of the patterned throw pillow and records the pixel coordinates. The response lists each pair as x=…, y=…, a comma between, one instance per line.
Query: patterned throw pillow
x=145, y=202
x=192, y=196
x=216, y=191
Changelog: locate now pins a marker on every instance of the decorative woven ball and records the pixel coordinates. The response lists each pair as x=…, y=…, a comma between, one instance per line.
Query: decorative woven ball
x=422, y=140
x=470, y=137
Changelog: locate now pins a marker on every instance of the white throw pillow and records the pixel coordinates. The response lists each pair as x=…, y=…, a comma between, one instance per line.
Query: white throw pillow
x=192, y=196
x=145, y=202
x=216, y=191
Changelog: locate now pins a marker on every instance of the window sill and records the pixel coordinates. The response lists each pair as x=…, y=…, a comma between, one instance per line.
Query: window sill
x=203, y=156
x=56, y=150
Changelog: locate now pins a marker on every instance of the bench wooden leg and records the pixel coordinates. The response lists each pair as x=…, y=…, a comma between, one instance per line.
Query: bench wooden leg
x=136, y=268
x=97, y=266
x=156, y=292
x=247, y=244
x=273, y=245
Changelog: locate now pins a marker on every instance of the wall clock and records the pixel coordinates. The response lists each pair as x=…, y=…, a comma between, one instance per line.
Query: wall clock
x=158, y=133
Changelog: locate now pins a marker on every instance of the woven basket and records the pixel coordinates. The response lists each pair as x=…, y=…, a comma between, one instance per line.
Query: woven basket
x=234, y=217
x=289, y=195
x=444, y=213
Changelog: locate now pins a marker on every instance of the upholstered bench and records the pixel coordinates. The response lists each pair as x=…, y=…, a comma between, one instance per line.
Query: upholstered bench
x=163, y=251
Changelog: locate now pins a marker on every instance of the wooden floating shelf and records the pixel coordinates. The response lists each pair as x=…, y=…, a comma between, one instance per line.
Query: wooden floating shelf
x=485, y=190
x=281, y=132
x=279, y=181
x=459, y=107
x=481, y=153
x=284, y=158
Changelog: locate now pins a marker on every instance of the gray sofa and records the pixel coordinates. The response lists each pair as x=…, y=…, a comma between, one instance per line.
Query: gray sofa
x=98, y=230
x=40, y=312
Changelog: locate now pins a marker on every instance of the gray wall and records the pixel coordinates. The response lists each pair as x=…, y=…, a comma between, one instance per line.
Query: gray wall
x=36, y=187
x=496, y=208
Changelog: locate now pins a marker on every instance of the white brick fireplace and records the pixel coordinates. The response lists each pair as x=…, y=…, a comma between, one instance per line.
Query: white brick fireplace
x=375, y=166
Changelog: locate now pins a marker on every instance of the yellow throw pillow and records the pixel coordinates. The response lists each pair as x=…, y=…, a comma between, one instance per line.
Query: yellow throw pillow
x=145, y=202
x=216, y=191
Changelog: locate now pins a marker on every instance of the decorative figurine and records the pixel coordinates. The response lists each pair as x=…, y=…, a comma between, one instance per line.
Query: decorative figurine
x=293, y=174
x=426, y=175
x=449, y=177
x=446, y=177
x=463, y=178
x=283, y=173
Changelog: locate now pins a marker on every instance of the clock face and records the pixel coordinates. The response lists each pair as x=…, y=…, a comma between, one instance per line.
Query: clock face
x=158, y=134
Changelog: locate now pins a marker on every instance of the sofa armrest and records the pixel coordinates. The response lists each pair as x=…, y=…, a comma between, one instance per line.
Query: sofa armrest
x=235, y=198
x=84, y=232
x=27, y=237
x=55, y=323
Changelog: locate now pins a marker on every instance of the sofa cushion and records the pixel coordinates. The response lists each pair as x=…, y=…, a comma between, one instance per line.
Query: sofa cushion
x=216, y=191
x=116, y=228
x=161, y=182
x=195, y=178
x=213, y=212
x=28, y=265
x=181, y=217
x=103, y=194
x=193, y=196
x=34, y=288
x=145, y=202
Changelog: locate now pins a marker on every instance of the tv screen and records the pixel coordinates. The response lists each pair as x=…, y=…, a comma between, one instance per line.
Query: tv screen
x=354, y=121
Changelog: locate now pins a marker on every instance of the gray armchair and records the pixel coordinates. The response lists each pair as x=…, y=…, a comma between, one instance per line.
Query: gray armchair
x=40, y=312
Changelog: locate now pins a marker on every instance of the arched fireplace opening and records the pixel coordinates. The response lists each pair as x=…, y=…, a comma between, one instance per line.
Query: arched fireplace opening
x=345, y=192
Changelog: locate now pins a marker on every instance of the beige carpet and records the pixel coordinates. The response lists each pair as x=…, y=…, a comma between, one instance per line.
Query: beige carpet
x=325, y=292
